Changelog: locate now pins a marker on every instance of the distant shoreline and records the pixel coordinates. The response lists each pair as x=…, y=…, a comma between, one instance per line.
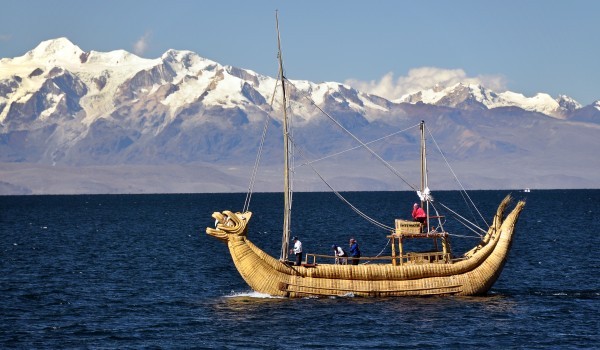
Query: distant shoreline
x=40, y=179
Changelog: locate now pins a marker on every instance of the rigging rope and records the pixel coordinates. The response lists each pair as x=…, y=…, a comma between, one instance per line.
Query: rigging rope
x=463, y=192
x=388, y=165
x=437, y=213
x=462, y=236
x=353, y=148
x=381, y=252
x=255, y=170
x=258, y=155
x=465, y=220
x=339, y=195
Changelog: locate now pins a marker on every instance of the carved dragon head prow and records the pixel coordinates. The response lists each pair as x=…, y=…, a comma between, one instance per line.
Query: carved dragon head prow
x=229, y=224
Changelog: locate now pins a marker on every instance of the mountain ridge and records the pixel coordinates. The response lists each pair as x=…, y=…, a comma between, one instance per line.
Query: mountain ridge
x=62, y=106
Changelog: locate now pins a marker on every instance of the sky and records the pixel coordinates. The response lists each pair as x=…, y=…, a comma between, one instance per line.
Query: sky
x=388, y=48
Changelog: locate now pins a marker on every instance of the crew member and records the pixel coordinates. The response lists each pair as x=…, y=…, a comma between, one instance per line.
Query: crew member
x=354, y=251
x=340, y=255
x=297, y=250
x=418, y=213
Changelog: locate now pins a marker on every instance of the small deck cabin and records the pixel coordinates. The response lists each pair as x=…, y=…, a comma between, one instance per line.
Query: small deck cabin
x=405, y=230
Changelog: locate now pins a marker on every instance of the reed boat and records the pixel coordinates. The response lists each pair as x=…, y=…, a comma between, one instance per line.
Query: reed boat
x=399, y=273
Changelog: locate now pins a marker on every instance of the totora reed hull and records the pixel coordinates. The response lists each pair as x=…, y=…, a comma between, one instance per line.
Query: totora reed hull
x=472, y=274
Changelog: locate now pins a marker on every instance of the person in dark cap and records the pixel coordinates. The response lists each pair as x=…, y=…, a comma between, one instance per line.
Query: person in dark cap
x=297, y=250
x=340, y=255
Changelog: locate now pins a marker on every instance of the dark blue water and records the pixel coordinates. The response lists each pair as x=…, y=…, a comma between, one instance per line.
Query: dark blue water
x=137, y=271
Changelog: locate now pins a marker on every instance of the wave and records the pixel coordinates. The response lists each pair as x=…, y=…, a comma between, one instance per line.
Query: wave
x=251, y=294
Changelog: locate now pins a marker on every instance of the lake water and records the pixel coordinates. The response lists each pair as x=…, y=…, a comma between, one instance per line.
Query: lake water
x=138, y=271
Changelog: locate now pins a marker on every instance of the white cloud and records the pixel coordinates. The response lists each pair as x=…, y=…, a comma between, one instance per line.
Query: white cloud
x=424, y=78
x=141, y=45
x=5, y=37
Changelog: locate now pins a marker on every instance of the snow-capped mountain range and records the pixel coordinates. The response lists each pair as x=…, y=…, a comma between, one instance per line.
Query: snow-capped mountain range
x=469, y=95
x=62, y=106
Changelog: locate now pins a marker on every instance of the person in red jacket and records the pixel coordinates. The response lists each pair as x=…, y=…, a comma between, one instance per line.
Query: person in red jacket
x=418, y=213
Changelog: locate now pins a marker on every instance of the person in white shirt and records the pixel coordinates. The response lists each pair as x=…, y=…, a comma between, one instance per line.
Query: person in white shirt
x=297, y=250
x=340, y=255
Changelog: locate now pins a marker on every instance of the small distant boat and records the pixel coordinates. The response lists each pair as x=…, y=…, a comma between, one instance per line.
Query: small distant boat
x=527, y=190
x=401, y=273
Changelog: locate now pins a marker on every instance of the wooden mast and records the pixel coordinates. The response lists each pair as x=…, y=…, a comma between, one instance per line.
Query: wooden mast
x=424, y=184
x=286, y=159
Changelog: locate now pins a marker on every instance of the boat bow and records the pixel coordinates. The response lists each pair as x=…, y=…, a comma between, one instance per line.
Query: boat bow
x=229, y=225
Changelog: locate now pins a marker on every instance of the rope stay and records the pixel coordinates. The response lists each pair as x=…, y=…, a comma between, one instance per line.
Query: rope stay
x=463, y=190
x=255, y=169
x=464, y=220
x=364, y=145
x=259, y=154
x=462, y=236
x=342, y=198
x=359, y=146
x=381, y=252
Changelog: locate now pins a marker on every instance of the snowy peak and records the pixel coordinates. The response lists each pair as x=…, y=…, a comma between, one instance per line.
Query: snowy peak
x=476, y=96
x=112, y=58
x=61, y=52
x=55, y=48
x=568, y=103
x=466, y=95
x=540, y=102
x=456, y=96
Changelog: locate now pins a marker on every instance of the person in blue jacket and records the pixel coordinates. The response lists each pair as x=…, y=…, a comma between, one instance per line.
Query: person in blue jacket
x=354, y=251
